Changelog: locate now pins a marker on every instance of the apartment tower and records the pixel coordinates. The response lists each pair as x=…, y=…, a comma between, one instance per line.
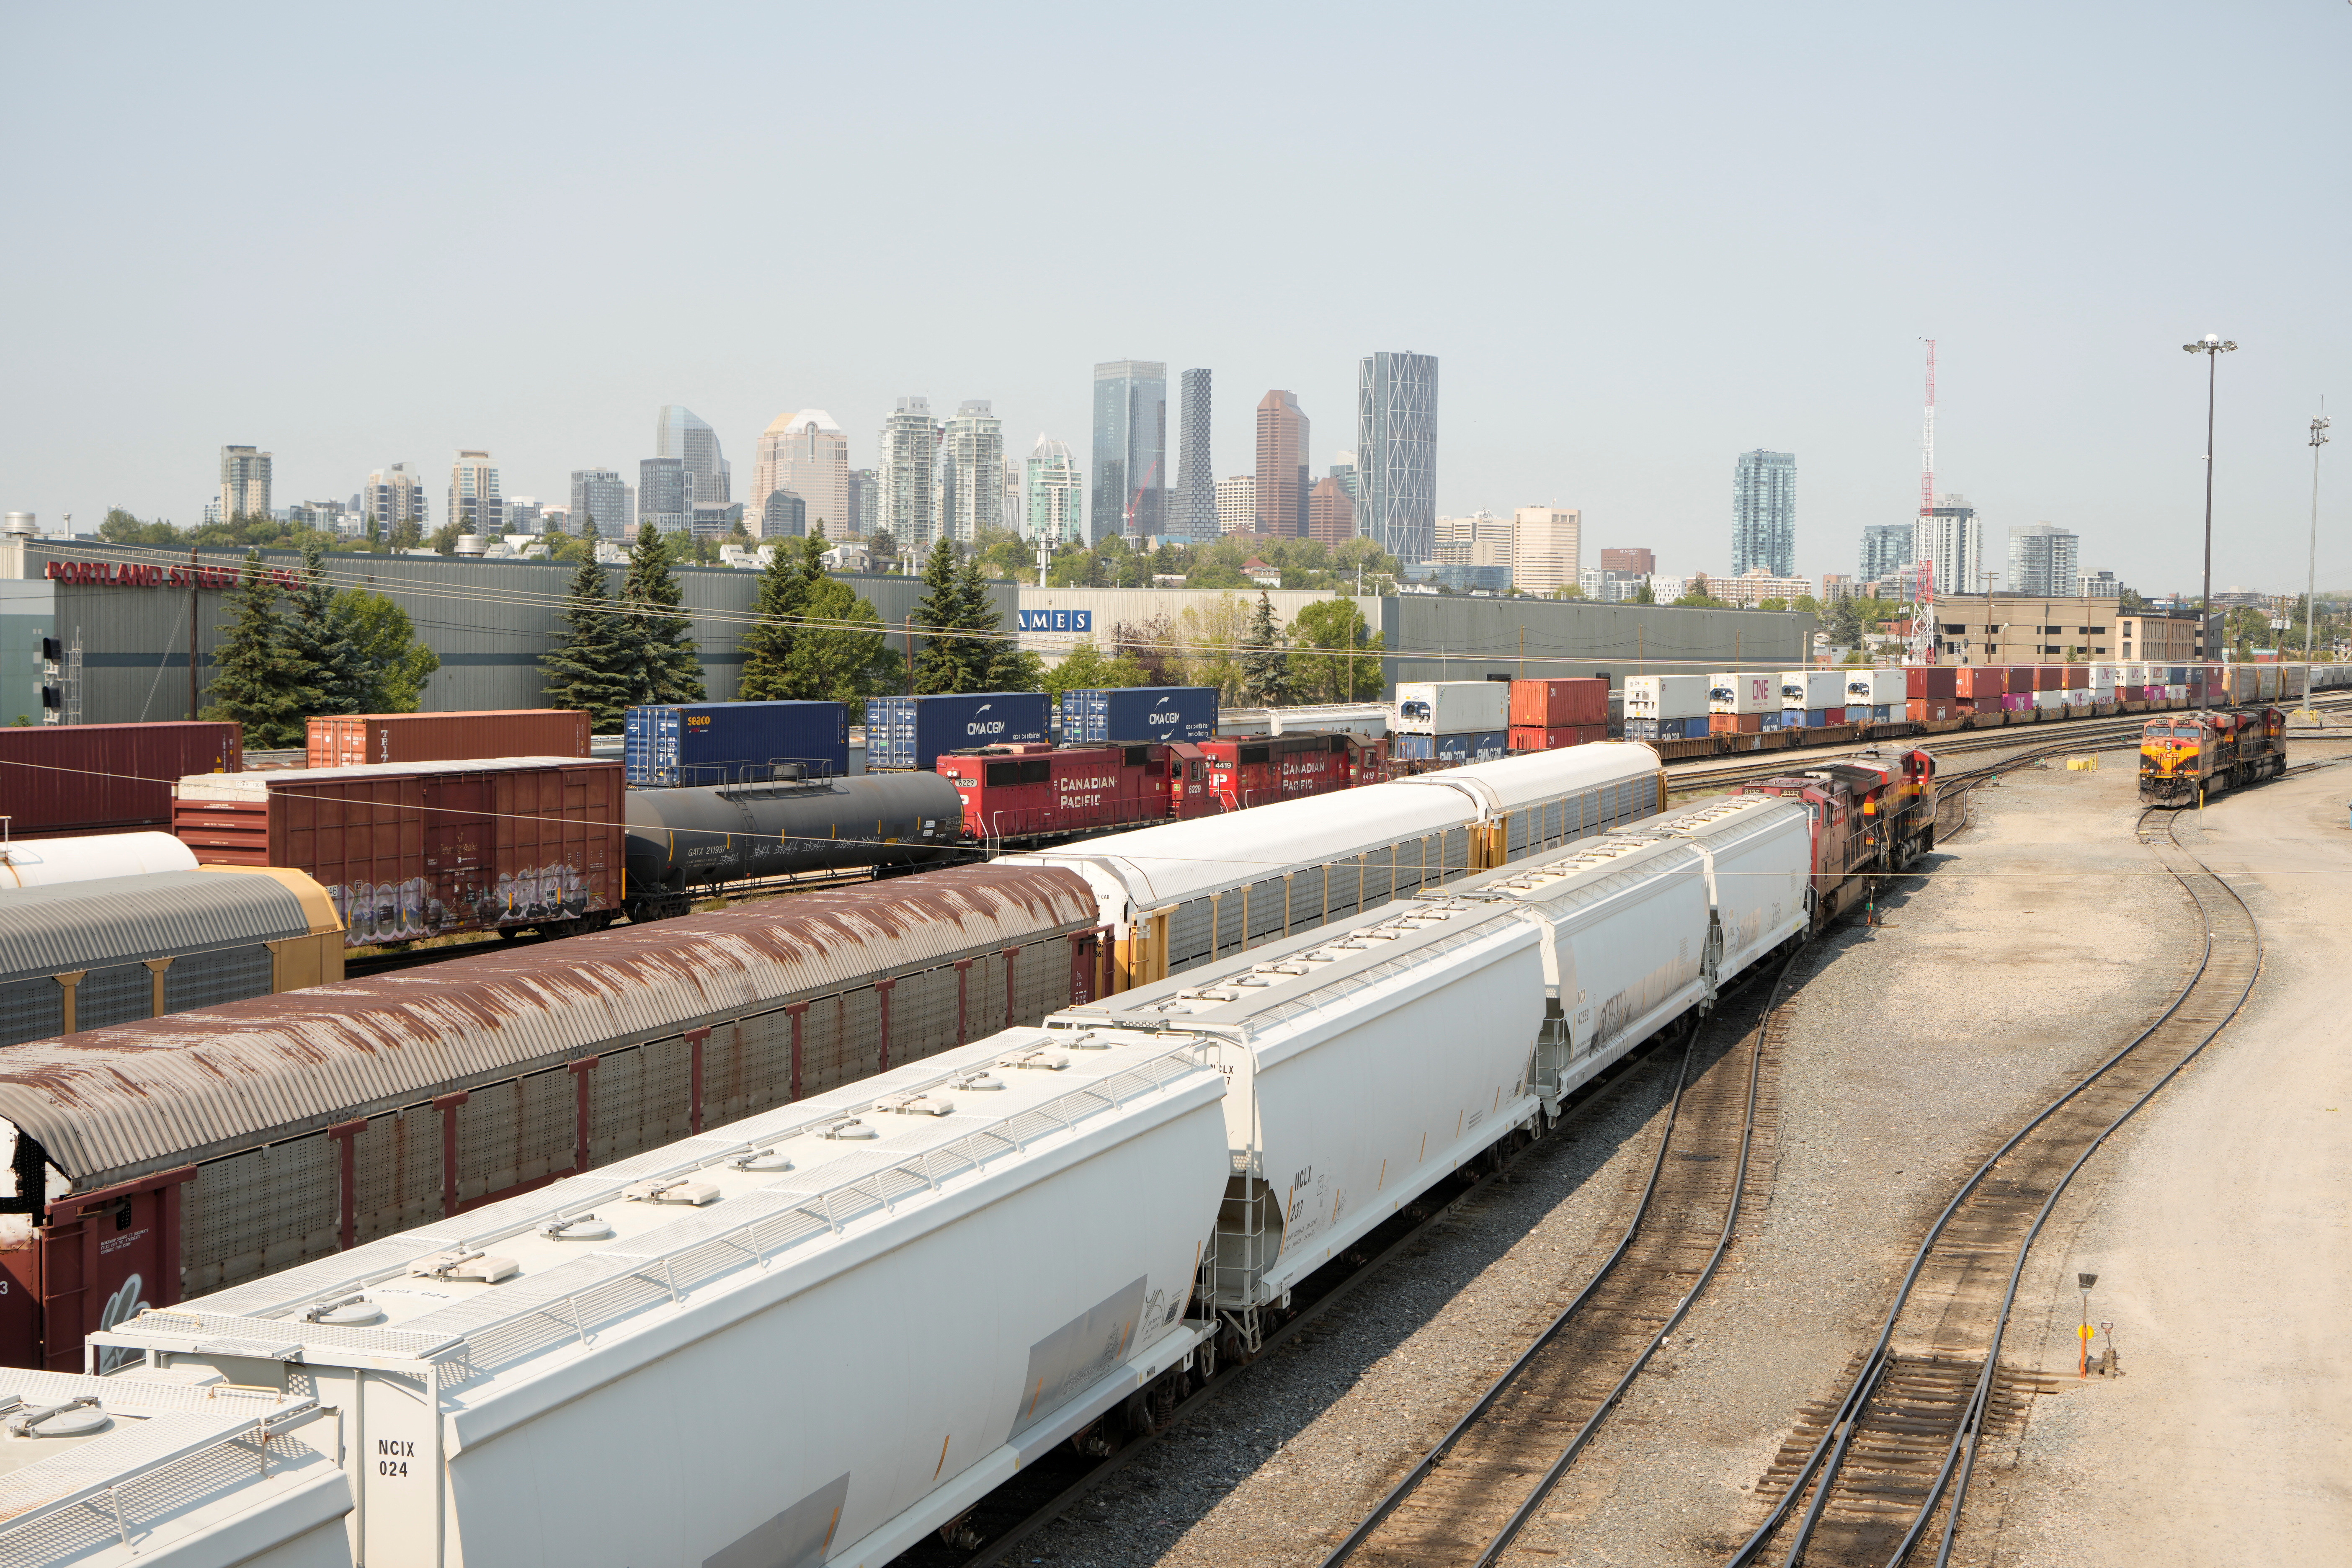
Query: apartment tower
x=1764, y=514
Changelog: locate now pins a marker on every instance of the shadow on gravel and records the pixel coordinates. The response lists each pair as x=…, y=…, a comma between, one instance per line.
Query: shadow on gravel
x=1139, y=1514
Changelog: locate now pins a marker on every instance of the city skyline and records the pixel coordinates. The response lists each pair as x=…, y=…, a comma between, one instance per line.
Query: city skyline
x=2064, y=393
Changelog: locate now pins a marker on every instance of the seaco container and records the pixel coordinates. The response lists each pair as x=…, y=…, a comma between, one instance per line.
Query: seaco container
x=413, y=850
x=1130, y=715
x=1562, y=704
x=58, y=780
x=353, y=740
x=1452, y=707
x=911, y=731
x=708, y=743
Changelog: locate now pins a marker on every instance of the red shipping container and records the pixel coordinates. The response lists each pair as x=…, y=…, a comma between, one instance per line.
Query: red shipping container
x=1558, y=704
x=1538, y=737
x=1932, y=710
x=351, y=740
x=1981, y=681
x=1940, y=680
x=2074, y=678
x=2046, y=678
x=1735, y=723
x=411, y=852
x=61, y=779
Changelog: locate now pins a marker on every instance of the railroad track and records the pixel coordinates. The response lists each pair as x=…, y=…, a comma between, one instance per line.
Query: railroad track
x=1469, y=1497
x=1866, y=1480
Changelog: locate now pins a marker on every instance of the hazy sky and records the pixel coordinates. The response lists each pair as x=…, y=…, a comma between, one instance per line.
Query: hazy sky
x=1640, y=238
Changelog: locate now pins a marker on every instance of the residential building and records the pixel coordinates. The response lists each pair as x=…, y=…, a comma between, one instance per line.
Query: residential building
x=1483, y=580
x=1330, y=512
x=1194, y=509
x=2099, y=585
x=1547, y=548
x=2029, y=628
x=1640, y=562
x=1396, y=453
x=1666, y=590
x=2042, y=560
x=553, y=519
x=393, y=496
x=1608, y=586
x=1837, y=585
x=906, y=469
x=244, y=483
x=1237, y=504
x=784, y=515
x=1764, y=514
x=1130, y=453
x=1753, y=586
x=1057, y=495
x=599, y=496
x=1949, y=540
x=326, y=516
x=1884, y=547
x=864, y=502
x=678, y=434
x=1011, y=508
x=807, y=453
x=664, y=496
x=475, y=505
x=2157, y=638
x=1281, y=482
x=971, y=471
x=1480, y=539
x=522, y=515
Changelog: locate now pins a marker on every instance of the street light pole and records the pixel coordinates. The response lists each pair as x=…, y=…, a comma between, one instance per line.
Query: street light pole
x=2311, y=590
x=2212, y=347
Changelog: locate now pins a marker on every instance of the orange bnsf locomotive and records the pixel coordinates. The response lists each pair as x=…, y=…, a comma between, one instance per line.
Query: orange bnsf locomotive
x=2184, y=757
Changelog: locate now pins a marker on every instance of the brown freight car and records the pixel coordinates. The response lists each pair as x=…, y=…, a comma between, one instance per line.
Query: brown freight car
x=409, y=851
x=58, y=780
x=353, y=740
x=177, y=1155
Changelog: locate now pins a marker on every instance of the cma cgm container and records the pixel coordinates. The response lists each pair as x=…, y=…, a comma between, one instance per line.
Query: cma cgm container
x=58, y=780
x=1452, y=707
x=410, y=850
x=1559, y=704
x=1743, y=692
x=911, y=731
x=351, y=740
x=1536, y=737
x=1129, y=715
x=1473, y=746
x=670, y=744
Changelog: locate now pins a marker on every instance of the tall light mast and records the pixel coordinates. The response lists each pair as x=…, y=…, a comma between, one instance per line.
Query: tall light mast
x=1923, y=551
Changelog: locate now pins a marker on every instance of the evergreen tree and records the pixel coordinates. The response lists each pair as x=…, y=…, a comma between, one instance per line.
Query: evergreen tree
x=583, y=667
x=657, y=652
x=1266, y=667
x=396, y=665
x=261, y=680
x=941, y=664
x=319, y=632
x=768, y=646
x=842, y=655
x=992, y=661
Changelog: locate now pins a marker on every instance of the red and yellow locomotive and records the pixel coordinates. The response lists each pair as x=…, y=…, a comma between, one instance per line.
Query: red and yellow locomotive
x=2184, y=757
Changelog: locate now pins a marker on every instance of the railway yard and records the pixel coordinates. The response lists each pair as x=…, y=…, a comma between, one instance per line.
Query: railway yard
x=2047, y=932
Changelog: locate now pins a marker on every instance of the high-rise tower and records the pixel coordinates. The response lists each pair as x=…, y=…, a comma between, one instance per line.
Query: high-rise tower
x=807, y=453
x=1130, y=453
x=906, y=470
x=244, y=483
x=1283, y=486
x=971, y=471
x=1396, y=453
x=1764, y=514
x=1195, y=511
x=474, y=503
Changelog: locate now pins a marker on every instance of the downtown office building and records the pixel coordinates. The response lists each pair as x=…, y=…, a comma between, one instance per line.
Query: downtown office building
x=1130, y=451
x=1396, y=453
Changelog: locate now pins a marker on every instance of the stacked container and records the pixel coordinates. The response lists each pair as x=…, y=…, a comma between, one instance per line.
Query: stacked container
x=1931, y=692
x=351, y=740
x=65, y=779
x=1665, y=706
x=1548, y=714
x=1874, y=696
x=707, y=743
x=1978, y=687
x=1449, y=720
x=911, y=731
x=1738, y=702
x=1132, y=715
x=1811, y=698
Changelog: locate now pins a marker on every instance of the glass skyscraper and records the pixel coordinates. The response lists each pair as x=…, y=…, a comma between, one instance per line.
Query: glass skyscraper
x=971, y=472
x=1764, y=514
x=678, y=434
x=1396, y=453
x=1056, y=502
x=1886, y=549
x=1130, y=448
x=1195, y=510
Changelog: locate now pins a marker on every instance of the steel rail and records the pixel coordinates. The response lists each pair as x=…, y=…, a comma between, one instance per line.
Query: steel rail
x=1420, y=1469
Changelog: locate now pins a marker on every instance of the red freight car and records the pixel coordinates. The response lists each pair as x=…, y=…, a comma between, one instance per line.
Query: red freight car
x=1030, y=792
x=1258, y=770
x=62, y=779
x=351, y=740
x=406, y=852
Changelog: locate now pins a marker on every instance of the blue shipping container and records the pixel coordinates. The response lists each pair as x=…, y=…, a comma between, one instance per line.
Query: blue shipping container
x=1134, y=713
x=909, y=733
x=1770, y=720
x=1817, y=718
x=1885, y=713
x=673, y=744
x=1466, y=746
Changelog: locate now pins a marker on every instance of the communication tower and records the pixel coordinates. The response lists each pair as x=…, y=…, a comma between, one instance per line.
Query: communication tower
x=1923, y=548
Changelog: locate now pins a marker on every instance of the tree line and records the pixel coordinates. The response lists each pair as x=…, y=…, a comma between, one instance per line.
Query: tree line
x=291, y=654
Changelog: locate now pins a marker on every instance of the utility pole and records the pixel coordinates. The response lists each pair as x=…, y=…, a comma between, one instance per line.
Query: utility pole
x=192, y=631
x=2212, y=347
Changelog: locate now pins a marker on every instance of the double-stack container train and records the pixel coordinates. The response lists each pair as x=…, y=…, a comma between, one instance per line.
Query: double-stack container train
x=303, y=1123
x=2186, y=757
x=1208, y=1141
